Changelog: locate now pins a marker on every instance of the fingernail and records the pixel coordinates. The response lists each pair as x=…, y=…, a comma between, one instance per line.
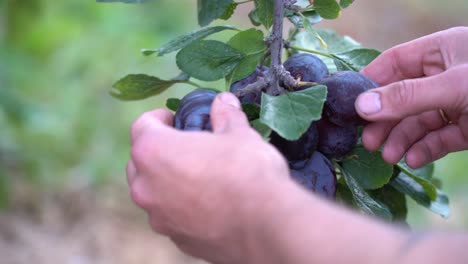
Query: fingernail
x=229, y=99
x=369, y=103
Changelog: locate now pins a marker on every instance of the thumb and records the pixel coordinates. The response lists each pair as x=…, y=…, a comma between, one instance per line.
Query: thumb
x=226, y=114
x=414, y=96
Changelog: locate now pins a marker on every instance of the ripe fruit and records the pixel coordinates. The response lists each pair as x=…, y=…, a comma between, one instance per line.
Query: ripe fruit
x=253, y=98
x=194, y=111
x=307, y=67
x=316, y=174
x=343, y=89
x=336, y=141
x=299, y=149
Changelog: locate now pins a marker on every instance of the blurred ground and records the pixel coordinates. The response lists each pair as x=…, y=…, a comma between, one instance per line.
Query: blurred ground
x=64, y=140
x=80, y=227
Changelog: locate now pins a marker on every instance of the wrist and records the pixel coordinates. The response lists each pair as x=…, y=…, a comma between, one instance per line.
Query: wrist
x=273, y=206
x=291, y=223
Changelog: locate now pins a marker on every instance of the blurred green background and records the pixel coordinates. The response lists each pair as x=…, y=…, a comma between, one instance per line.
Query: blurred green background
x=64, y=140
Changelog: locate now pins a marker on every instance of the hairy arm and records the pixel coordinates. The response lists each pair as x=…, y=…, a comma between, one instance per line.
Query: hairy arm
x=302, y=228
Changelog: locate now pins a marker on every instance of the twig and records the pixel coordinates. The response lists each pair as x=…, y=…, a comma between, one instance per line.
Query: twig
x=276, y=48
x=259, y=85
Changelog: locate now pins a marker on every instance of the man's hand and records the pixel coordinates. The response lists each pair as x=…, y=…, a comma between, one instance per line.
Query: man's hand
x=421, y=80
x=206, y=191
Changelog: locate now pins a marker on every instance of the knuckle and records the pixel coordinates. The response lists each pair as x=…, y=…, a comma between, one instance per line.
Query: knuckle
x=139, y=124
x=458, y=29
x=139, y=152
x=459, y=87
x=435, y=146
x=404, y=93
x=139, y=193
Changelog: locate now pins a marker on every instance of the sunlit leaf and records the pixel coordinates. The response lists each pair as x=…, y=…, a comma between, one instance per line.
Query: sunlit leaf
x=185, y=40
x=209, y=10
x=290, y=114
x=208, y=60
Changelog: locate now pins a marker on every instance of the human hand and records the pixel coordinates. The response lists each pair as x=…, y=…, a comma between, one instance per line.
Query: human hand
x=206, y=191
x=420, y=80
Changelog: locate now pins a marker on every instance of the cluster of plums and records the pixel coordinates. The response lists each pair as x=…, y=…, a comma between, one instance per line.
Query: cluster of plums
x=332, y=137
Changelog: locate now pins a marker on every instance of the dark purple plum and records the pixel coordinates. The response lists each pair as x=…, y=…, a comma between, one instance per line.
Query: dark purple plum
x=316, y=174
x=298, y=149
x=307, y=67
x=336, y=141
x=253, y=98
x=343, y=89
x=194, y=111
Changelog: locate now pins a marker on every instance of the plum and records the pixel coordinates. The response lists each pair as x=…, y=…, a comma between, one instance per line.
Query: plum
x=298, y=149
x=193, y=113
x=343, y=89
x=316, y=174
x=336, y=141
x=307, y=67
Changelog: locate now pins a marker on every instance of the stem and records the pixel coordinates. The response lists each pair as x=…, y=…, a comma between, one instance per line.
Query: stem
x=193, y=84
x=276, y=47
x=259, y=85
x=325, y=54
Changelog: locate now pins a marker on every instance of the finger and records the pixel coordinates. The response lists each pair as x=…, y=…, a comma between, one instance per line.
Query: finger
x=131, y=172
x=436, y=145
x=154, y=120
x=141, y=193
x=227, y=115
x=374, y=134
x=412, y=97
x=407, y=132
x=414, y=59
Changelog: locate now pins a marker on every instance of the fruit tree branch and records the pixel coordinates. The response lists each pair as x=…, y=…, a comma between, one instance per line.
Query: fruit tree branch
x=276, y=48
x=259, y=85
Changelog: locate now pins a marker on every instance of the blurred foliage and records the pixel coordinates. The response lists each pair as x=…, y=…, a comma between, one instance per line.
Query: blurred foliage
x=58, y=59
x=58, y=122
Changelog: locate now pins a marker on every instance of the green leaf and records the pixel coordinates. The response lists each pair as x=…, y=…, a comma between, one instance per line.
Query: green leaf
x=311, y=30
x=425, y=172
x=355, y=60
x=209, y=10
x=264, y=11
x=290, y=114
x=140, y=86
x=346, y=3
x=302, y=3
x=364, y=201
x=328, y=9
x=335, y=44
x=408, y=185
x=229, y=11
x=394, y=200
x=183, y=77
x=252, y=111
x=251, y=43
x=344, y=194
x=262, y=129
x=253, y=16
x=173, y=104
x=208, y=60
x=424, y=181
x=312, y=18
x=185, y=40
x=368, y=168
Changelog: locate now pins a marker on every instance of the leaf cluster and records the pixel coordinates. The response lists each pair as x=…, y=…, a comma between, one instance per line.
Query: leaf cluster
x=366, y=181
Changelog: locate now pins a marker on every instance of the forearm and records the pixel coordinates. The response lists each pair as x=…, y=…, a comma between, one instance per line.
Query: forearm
x=301, y=228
